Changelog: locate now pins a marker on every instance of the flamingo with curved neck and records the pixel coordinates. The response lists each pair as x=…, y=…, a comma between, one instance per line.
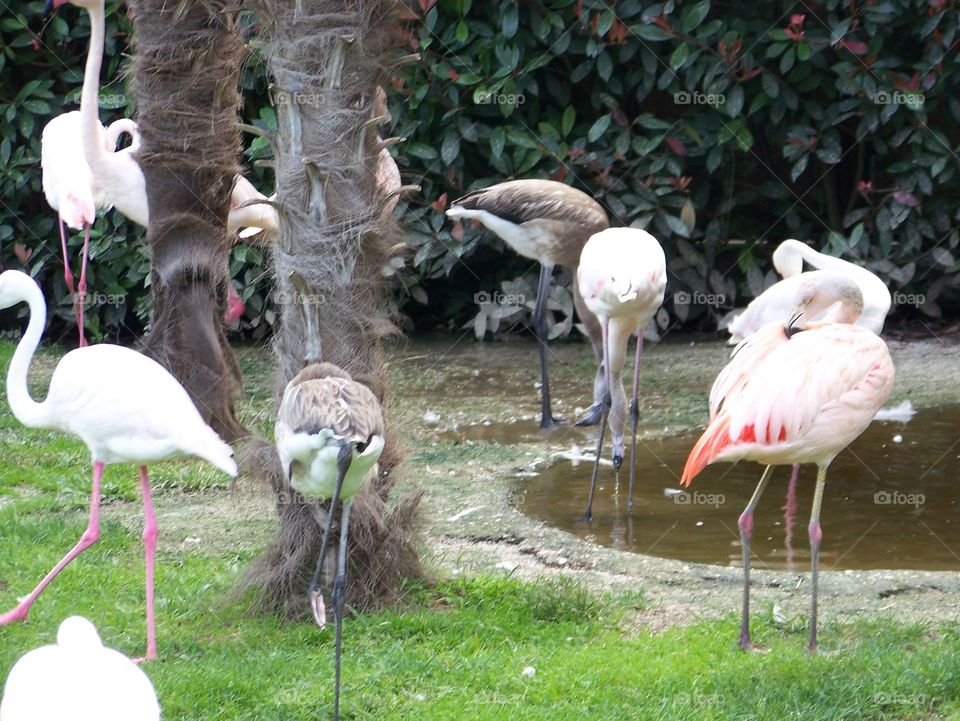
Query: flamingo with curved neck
x=141, y=415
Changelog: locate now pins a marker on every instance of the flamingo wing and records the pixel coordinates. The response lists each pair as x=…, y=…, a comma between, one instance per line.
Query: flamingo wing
x=745, y=357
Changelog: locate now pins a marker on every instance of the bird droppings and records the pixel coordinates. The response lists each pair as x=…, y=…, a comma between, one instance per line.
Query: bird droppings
x=509, y=566
x=431, y=418
x=528, y=672
x=898, y=438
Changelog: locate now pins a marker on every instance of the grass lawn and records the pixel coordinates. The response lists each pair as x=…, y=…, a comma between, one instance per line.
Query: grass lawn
x=454, y=651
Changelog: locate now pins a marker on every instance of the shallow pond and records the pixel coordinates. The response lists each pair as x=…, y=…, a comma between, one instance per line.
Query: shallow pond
x=892, y=500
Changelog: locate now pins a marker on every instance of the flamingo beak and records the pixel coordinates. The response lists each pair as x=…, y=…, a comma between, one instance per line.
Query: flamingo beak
x=791, y=328
x=317, y=604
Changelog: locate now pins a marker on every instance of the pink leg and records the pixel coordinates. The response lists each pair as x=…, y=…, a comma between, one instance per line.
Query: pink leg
x=89, y=537
x=67, y=275
x=82, y=286
x=150, y=551
x=789, y=511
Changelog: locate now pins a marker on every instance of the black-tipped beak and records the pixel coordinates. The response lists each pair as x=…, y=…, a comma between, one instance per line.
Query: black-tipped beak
x=790, y=328
x=47, y=8
x=344, y=458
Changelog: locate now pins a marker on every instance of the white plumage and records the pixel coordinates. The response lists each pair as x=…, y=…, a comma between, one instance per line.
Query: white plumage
x=777, y=300
x=124, y=406
x=80, y=679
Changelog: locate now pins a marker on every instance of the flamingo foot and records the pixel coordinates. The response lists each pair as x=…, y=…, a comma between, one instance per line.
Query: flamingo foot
x=17, y=615
x=318, y=607
x=745, y=643
x=592, y=416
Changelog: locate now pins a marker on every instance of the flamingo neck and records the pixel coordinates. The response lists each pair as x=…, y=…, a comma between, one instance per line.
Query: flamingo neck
x=25, y=409
x=91, y=130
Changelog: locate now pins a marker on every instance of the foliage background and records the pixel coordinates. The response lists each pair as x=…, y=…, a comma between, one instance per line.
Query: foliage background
x=722, y=127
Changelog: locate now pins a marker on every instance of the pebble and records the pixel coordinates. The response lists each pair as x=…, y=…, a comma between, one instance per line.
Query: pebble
x=431, y=418
x=898, y=438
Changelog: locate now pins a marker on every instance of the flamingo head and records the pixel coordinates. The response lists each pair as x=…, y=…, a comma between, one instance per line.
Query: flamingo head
x=818, y=293
x=14, y=286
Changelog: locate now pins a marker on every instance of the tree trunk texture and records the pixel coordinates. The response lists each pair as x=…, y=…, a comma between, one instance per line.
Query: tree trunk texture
x=327, y=59
x=186, y=71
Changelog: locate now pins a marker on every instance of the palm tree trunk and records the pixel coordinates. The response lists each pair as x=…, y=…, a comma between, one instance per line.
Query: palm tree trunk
x=186, y=71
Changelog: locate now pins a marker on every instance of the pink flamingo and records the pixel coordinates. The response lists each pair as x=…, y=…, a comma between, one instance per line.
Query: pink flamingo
x=124, y=406
x=790, y=397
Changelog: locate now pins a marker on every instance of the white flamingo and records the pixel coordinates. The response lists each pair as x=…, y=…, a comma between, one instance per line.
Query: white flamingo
x=622, y=276
x=775, y=302
x=790, y=397
x=78, y=678
x=124, y=406
x=84, y=172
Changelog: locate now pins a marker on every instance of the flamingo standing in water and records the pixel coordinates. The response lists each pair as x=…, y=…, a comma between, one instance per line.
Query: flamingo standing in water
x=549, y=222
x=124, y=406
x=775, y=303
x=78, y=678
x=791, y=397
x=84, y=172
x=622, y=276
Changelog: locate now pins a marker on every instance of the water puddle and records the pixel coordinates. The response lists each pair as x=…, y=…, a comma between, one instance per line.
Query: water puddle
x=892, y=501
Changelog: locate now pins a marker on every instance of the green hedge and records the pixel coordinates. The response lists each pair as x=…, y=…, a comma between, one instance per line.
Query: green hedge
x=720, y=127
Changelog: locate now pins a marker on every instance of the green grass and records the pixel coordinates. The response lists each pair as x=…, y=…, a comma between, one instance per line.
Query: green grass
x=454, y=651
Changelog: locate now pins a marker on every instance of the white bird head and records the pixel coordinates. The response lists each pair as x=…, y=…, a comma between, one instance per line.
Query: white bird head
x=78, y=632
x=787, y=259
x=14, y=285
x=818, y=292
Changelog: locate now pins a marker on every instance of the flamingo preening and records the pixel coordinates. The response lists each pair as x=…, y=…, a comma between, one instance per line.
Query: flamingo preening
x=789, y=397
x=775, y=302
x=622, y=276
x=329, y=436
x=84, y=172
x=78, y=678
x=124, y=406
x=549, y=222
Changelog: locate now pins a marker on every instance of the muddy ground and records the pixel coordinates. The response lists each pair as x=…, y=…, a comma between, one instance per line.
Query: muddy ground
x=447, y=389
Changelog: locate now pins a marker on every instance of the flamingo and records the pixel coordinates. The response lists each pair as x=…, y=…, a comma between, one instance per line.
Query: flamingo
x=329, y=435
x=790, y=397
x=124, y=406
x=775, y=302
x=622, y=276
x=548, y=222
x=84, y=172
x=78, y=678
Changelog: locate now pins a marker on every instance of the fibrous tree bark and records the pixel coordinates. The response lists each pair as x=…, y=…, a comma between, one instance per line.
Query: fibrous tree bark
x=327, y=59
x=186, y=70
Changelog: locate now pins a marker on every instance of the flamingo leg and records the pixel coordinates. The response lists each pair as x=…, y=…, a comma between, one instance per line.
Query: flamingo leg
x=746, y=530
x=588, y=511
x=339, y=586
x=67, y=274
x=150, y=552
x=316, y=592
x=89, y=537
x=82, y=285
x=635, y=417
x=789, y=512
x=816, y=536
x=542, y=329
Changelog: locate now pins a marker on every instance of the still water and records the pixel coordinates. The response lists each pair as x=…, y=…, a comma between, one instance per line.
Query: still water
x=892, y=500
